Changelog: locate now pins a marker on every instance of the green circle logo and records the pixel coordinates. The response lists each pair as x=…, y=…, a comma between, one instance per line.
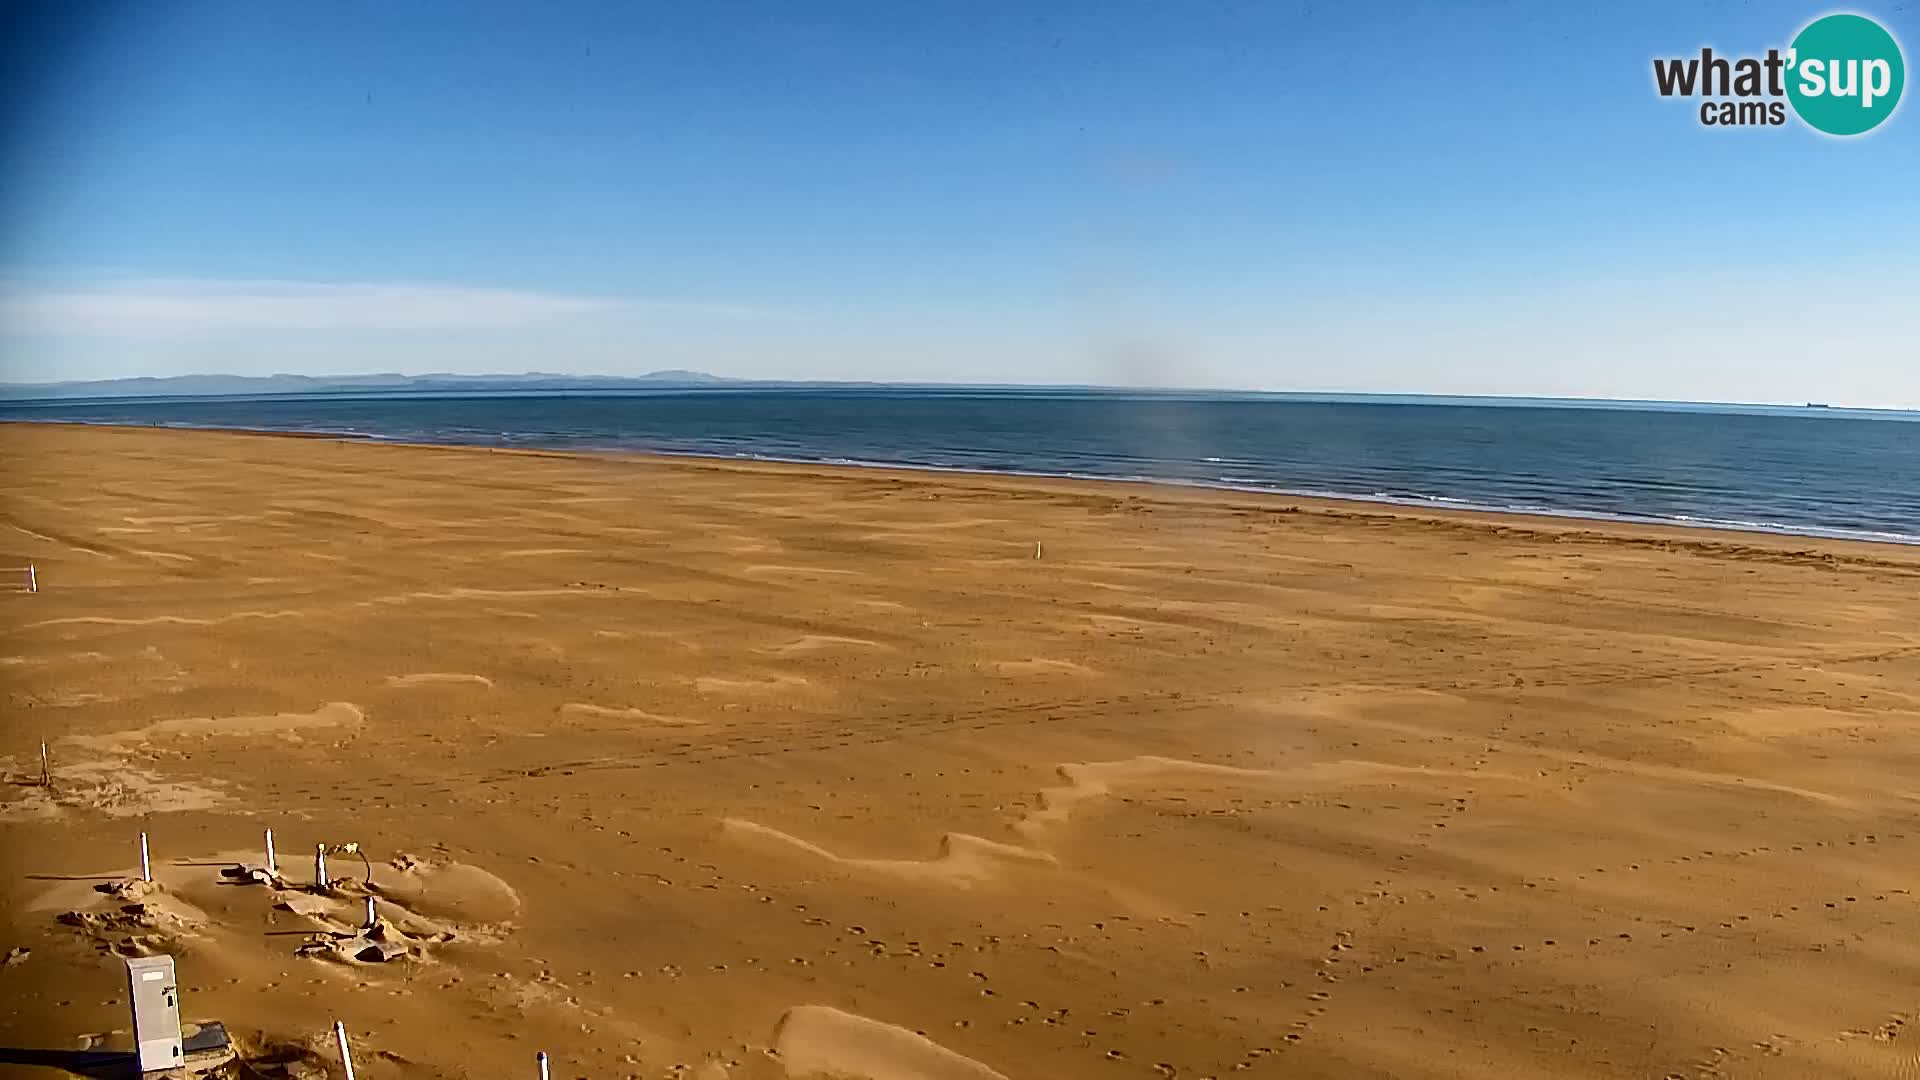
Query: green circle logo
x=1845, y=74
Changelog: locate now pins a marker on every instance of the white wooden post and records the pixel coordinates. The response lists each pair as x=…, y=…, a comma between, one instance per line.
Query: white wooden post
x=320, y=866
x=542, y=1059
x=146, y=867
x=371, y=921
x=346, y=1056
x=271, y=867
x=46, y=771
x=33, y=579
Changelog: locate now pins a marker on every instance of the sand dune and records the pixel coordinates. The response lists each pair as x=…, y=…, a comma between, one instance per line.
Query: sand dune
x=439, y=678
x=738, y=771
x=820, y=1040
x=1043, y=667
x=764, y=684
x=807, y=643
x=575, y=710
x=962, y=860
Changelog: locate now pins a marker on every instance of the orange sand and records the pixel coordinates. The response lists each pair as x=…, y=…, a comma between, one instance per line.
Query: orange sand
x=720, y=770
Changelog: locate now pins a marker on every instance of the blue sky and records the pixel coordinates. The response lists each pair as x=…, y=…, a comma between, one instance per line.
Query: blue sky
x=1295, y=196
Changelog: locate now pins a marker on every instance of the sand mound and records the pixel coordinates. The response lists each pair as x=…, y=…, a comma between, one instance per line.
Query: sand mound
x=416, y=907
x=381, y=942
x=963, y=860
x=135, y=918
x=453, y=891
x=818, y=1040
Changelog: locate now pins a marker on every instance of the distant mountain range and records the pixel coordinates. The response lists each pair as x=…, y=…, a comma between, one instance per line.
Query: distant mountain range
x=437, y=382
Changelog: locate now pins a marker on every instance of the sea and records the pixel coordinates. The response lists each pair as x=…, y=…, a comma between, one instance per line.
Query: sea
x=1806, y=470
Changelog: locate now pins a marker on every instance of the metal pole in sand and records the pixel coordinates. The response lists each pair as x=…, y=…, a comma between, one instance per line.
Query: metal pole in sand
x=146, y=867
x=371, y=921
x=319, y=866
x=346, y=1056
x=46, y=773
x=271, y=867
x=541, y=1057
x=33, y=579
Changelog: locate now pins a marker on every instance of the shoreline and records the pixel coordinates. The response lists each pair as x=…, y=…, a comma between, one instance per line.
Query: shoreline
x=1560, y=525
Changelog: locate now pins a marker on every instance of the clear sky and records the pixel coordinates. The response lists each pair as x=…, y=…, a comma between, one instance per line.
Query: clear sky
x=1299, y=196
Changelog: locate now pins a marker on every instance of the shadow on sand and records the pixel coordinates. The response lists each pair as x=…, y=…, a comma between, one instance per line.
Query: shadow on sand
x=101, y=1064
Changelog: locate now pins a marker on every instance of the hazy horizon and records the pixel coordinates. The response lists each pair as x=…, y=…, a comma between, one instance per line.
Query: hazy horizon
x=693, y=381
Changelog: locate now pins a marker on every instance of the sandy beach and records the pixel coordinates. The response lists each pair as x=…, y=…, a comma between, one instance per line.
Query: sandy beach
x=684, y=768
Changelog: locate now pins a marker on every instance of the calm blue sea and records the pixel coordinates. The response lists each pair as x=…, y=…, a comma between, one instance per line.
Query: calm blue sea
x=1823, y=472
